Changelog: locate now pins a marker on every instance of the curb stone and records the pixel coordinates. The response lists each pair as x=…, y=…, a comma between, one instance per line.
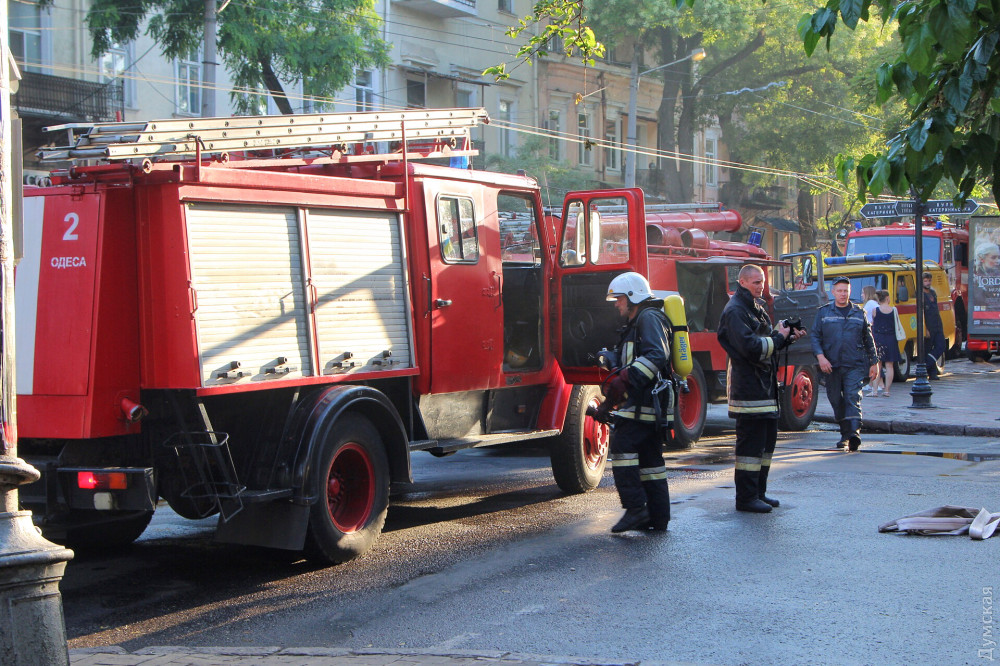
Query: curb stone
x=252, y=654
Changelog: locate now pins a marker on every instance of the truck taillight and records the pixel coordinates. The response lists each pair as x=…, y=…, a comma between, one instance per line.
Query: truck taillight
x=101, y=480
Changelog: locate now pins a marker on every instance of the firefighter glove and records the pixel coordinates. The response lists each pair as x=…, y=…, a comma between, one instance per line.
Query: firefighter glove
x=615, y=388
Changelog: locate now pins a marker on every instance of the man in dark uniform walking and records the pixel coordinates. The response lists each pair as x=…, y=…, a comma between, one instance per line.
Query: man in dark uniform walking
x=844, y=347
x=746, y=334
x=636, y=445
x=934, y=326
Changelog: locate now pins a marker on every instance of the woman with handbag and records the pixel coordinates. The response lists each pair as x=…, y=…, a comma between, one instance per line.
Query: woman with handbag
x=886, y=329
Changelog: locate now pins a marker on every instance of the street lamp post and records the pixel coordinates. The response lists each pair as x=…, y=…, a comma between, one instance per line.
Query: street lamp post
x=633, y=94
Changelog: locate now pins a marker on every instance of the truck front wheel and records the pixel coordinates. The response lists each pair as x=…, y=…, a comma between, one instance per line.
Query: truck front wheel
x=351, y=486
x=798, y=399
x=580, y=453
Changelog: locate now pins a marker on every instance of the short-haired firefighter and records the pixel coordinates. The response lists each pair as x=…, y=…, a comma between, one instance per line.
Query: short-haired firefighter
x=746, y=334
x=636, y=443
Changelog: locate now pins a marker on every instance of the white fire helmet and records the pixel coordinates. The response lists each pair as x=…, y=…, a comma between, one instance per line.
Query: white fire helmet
x=633, y=285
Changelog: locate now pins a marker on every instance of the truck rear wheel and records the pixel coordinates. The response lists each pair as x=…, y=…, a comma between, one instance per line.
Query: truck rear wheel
x=351, y=486
x=798, y=400
x=580, y=453
x=692, y=409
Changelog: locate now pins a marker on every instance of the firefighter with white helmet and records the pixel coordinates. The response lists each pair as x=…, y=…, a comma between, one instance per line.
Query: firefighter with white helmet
x=636, y=445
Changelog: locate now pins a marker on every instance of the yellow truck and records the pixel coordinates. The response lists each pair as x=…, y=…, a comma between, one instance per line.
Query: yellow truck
x=805, y=282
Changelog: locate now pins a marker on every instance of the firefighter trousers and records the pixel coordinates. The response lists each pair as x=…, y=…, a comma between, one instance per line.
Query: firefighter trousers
x=637, y=465
x=755, y=440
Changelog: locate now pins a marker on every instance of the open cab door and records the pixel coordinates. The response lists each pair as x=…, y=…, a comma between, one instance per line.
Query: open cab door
x=602, y=234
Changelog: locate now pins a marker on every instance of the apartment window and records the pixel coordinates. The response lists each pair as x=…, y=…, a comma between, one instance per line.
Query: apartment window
x=553, y=126
x=416, y=94
x=506, y=114
x=506, y=6
x=555, y=45
x=364, y=93
x=711, y=166
x=465, y=98
x=612, y=149
x=116, y=63
x=583, y=133
x=188, y=74
x=25, y=34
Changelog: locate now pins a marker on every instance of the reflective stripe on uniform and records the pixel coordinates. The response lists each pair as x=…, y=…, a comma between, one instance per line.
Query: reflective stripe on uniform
x=645, y=366
x=645, y=414
x=766, y=460
x=748, y=463
x=767, y=347
x=652, y=473
x=753, y=406
x=624, y=459
x=628, y=353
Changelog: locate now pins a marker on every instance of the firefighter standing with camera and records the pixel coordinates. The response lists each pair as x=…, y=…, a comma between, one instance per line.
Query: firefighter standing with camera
x=746, y=334
x=636, y=443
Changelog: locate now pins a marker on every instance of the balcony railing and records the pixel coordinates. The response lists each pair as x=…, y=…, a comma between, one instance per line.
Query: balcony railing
x=67, y=100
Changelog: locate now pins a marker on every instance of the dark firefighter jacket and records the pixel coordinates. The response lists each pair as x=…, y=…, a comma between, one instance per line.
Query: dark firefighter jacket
x=644, y=350
x=746, y=334
x=845, y=340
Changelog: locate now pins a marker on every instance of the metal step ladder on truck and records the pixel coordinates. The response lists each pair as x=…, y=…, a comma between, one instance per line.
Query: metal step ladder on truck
x=808, y=278
x=262, y=318
x=684, y=258
x=945, y=243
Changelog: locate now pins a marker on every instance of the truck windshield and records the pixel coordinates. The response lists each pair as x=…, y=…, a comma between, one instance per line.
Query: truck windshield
x=895, y=244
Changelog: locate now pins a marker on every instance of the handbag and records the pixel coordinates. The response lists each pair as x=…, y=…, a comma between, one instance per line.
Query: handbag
x=900, y=333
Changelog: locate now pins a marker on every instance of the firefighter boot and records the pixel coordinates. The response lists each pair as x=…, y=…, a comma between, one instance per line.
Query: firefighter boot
x=762, y=487
x=854, y=435
x=658, y=503
x=634, y=519
x=748, y=492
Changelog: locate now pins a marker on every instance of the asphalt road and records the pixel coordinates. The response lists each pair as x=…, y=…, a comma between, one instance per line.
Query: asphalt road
x=484, y=553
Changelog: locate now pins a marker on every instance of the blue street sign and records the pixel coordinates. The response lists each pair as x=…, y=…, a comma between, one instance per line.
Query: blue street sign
x=905, y=208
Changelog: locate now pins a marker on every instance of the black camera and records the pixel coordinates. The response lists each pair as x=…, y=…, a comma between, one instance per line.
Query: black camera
x=793, y=324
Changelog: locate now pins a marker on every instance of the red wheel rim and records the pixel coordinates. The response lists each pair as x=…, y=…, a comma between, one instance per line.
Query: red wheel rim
x=596, y=436
x=689, y=404
x=802, y=393
x=350, y=488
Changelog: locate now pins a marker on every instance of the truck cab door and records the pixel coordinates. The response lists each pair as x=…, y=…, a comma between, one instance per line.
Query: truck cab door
x=602, y=234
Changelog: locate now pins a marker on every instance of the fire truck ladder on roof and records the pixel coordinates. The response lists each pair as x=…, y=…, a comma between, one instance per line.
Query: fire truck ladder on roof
x=444, y=131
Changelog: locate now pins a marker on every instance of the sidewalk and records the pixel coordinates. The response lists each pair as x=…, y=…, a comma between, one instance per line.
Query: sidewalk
x=960, y=404
x=275, y=656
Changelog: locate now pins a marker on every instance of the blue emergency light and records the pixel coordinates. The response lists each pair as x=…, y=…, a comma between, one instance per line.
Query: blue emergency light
x=857, y=225
x=938, y=225
x=857, y=259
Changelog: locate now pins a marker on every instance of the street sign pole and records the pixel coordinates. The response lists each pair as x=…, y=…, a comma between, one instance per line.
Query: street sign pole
x=921, y=391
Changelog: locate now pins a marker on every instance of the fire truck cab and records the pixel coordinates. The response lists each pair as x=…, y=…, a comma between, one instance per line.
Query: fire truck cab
x=262, y=318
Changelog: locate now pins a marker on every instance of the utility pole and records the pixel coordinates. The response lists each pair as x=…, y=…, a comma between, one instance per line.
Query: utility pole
x=32, y=629
x=210, y=53
x=633, y=96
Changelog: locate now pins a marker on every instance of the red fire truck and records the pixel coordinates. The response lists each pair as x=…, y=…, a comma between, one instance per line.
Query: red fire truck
x=945, y=244
x=262, y=318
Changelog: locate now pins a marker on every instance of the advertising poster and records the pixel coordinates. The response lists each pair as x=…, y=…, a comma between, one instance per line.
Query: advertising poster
x=984, y=276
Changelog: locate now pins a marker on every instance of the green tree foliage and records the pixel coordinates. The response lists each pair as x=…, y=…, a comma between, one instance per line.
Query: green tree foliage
x=262, y=42
x=555, y=178
x=948, y=71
